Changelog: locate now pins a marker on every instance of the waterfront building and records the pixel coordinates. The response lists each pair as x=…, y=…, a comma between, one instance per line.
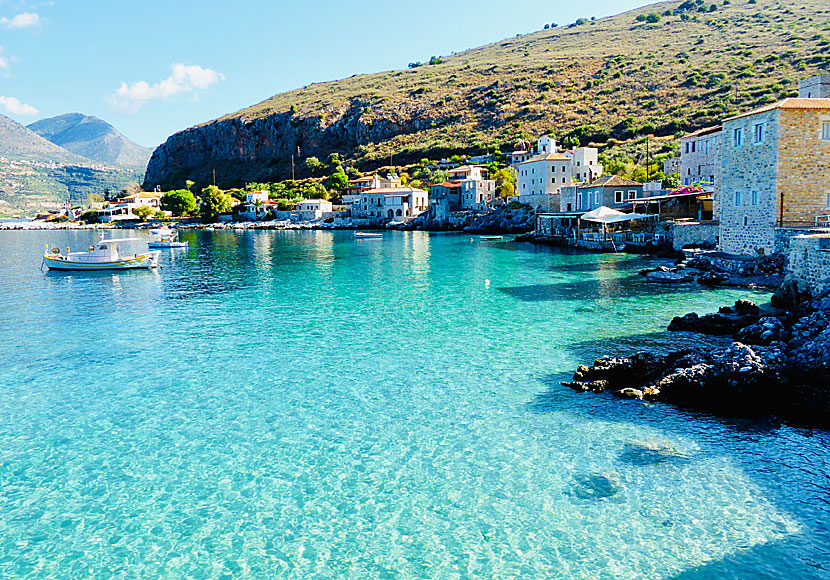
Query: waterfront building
x=256, y=205
x=699, y=158
x=315, y=207
x=351, y=195
x=775, y=174
x=610, y=191
x=467, y=189
x=541, y=178
x=122, y=208
x=391, y=203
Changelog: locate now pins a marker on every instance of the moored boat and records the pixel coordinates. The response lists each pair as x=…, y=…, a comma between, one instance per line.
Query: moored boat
x=167, y=238
x=368, y=235
x=103, y=255
x=490, y=238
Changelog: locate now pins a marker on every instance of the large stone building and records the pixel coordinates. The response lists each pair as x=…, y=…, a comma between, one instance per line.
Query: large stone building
x=541, y=178
x=699, y=158
x=817, y=87
x=775, y=173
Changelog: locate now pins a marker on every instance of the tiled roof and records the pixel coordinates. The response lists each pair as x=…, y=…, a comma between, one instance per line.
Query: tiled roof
x=548, y=157
x=610, y=181
x=448, y=184
x=393, y=190
x=704, y=131
x=791, y=103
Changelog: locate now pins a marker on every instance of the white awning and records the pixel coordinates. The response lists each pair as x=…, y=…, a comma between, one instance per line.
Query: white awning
x=626, y=217
x=601, y=212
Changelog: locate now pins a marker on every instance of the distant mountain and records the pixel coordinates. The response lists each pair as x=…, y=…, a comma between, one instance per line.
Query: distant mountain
x=36, y=174
x=93, y=138
x=18, y=142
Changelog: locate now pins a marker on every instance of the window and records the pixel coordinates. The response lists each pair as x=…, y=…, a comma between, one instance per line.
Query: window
x=746, y=221
x=632, y=194
x=825, y=130
x=579, y=200
x=687, y=147
x=827, y=202
x=693, y=146
x=737, y=199
x=618, y=196
x=754, y=198
x=706, y=147
x=759, y=133
x=739, y=137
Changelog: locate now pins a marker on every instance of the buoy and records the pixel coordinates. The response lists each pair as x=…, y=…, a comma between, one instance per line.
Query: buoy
x=487, y=282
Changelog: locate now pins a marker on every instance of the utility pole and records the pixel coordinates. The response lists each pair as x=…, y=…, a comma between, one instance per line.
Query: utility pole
x=648, y=159
x=292, y=167
x=214, y=176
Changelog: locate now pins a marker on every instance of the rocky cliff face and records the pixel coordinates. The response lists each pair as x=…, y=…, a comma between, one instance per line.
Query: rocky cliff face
x=242, y=150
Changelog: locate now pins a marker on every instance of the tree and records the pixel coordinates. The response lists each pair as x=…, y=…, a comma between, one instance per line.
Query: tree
x=142, y=212
x=189, y=184
x=505, y=182
x=180, y=201
x=214, y=201
x=313, y=164
x=338, y=181
x=335, y=159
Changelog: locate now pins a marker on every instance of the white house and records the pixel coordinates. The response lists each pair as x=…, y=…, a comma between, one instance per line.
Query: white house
x=541, y=178
x=316, y=206
x=122, y=209
x=256, y=205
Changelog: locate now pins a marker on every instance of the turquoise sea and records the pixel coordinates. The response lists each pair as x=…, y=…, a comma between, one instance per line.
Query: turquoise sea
x=304, y=405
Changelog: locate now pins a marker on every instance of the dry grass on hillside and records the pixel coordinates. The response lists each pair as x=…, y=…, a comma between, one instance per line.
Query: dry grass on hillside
x=604, y=82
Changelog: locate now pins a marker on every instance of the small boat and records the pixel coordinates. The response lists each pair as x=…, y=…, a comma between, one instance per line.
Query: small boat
x=368, y=235
x=103, y=255
x=490, y=238
x=167, y=238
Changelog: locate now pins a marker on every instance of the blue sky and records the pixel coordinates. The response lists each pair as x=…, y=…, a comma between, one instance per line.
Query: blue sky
x=154, y=67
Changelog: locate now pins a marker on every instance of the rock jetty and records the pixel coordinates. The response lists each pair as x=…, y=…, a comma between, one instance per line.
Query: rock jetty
x=778, y=365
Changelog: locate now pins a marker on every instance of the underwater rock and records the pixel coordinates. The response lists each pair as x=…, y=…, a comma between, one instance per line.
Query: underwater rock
x=595, y=485
x=650, y=453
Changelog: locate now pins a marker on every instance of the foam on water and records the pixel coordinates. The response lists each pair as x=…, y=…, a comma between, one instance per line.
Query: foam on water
x=303, y=405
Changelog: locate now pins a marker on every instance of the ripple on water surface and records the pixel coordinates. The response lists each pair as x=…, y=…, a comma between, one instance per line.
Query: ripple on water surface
x=301, y=405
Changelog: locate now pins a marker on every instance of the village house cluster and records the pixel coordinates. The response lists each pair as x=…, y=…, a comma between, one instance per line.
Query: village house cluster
x=748, y=185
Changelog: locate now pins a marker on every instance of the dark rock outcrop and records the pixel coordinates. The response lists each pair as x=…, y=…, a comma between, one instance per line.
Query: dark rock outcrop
x=779, y=366
x=728, y=320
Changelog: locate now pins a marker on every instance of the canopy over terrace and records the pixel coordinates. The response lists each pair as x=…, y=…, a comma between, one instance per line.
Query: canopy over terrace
x=606, y=215
x=687, y=203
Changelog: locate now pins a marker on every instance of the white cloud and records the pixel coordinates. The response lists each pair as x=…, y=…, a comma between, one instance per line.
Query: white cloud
x=15, y=107
x=185, y=78
x=23, y=20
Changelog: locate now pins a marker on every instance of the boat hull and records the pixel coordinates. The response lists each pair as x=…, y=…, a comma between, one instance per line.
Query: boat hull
x=141, y=261
x=167, y=245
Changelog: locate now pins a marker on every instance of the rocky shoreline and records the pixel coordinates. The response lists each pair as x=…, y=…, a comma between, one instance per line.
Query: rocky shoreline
x=777, y=365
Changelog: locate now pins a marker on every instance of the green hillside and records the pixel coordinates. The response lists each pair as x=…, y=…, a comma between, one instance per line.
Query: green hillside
x=36, y=174
x=604, y=82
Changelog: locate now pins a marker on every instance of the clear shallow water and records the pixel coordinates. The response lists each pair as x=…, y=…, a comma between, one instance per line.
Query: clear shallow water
x=302, y=405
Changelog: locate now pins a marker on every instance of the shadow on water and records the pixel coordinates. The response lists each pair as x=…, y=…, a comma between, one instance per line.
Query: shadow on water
x=622, y=287
x=762, y=562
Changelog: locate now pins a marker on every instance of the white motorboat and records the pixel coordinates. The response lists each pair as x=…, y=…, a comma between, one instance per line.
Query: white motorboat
x=103, y=255
x=368, y=235
x=167, y=238
x=490, y=238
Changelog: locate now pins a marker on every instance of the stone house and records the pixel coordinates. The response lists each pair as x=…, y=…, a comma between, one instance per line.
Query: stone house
x=467, y=188
x=817, y=87
x=699, y=157
x=775, y=173
x=391, y=203
x=315, y=207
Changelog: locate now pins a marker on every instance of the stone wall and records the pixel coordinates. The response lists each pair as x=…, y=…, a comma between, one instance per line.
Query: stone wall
x=809, y=262
x=803, y=166
x=748, y=228
x=694, y=234
x=783, y=236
